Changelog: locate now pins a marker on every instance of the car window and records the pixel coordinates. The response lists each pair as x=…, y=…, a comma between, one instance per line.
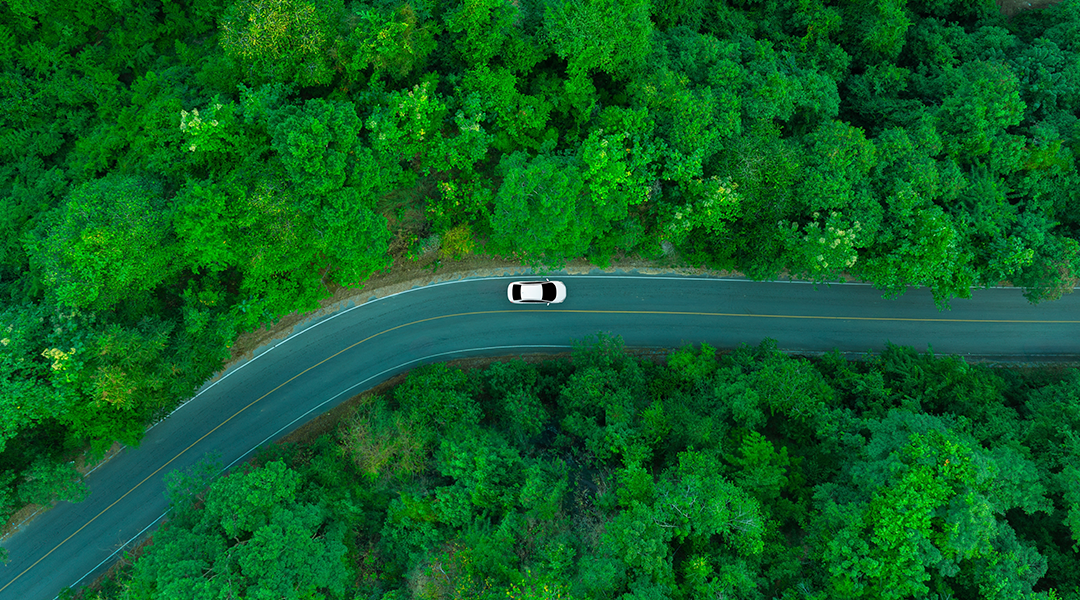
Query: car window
x=549, y=292
x=516, y=291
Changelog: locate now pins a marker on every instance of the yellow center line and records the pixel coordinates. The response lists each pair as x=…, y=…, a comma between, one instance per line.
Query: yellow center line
x=714, y=314
x=488, y=312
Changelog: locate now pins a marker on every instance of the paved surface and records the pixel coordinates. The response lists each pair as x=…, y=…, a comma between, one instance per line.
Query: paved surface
x=325, y=362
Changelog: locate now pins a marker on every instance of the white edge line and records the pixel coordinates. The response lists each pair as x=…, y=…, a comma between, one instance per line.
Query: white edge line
x=350, y=388
x=114, y=553
x=275, y=434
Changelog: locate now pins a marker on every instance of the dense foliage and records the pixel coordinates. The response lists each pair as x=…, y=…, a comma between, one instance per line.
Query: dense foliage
x=752, y=475
x=176, y=173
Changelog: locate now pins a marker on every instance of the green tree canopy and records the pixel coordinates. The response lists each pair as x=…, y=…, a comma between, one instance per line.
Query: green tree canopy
x=613, y=36
x=314, y=143
x=394, y=42
x=928, y=506
x=875, y=30
x=538, y=209
x=282, y=40
x=984, y=99
x=491, y=30
x=253, y=537
x=109, y=241
x=522, y=120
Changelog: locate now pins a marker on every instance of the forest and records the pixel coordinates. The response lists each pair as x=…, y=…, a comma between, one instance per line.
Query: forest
x=175, y=174
x=751, y=475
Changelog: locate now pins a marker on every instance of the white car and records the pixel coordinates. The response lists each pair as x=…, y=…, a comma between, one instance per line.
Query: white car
x=536, y=292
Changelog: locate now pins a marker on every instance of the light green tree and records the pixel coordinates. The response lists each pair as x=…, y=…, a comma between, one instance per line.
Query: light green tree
x=927, y=506
x=110, y=241
x=391, y=42
x=252, y=538
x=282, y=40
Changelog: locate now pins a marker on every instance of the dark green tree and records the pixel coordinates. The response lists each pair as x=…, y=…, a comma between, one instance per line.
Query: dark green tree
x=314, y=143
x=765, y=167
x=25, y=394
x=612, y=36
x=439, y=397
x=1049, y=78
x=874, y=30
x=486, y=469
x=540, y=209
x=512, y=387
x=695, y=507
x=253, y=537
x=47, y=480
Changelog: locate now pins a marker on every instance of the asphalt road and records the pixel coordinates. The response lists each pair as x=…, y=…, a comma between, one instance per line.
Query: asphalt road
x=327, y=361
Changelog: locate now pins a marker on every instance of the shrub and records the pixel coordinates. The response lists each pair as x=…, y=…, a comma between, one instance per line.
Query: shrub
x=382, y=442
x=438, y=396
x=47, y=479
x=458, y=242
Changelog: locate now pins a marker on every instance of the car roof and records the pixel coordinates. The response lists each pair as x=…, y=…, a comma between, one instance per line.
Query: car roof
x=532, y=290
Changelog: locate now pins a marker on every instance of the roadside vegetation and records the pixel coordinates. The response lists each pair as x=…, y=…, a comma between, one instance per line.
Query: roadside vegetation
x=175, y=174
x=751, y=475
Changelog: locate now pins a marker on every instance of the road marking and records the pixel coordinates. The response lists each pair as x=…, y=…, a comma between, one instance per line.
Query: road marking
x=488, y=312
x=712, y=314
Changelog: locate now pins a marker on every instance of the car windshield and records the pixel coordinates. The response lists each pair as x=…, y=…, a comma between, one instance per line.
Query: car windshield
x=549, y=292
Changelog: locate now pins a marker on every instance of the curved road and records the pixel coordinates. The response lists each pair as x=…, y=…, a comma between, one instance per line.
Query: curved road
x=325, y=362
